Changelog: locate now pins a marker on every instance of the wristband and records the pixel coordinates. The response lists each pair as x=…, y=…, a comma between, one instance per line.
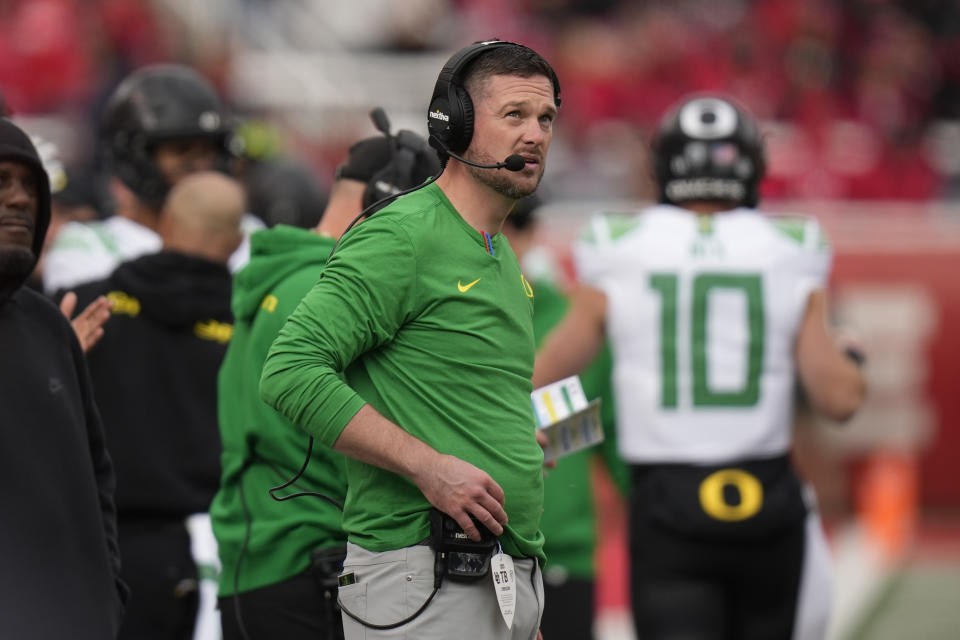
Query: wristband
x=856, y=355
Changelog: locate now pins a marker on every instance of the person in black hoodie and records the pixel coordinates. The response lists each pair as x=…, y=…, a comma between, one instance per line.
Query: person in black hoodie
x=155, y=376
x=60, y=560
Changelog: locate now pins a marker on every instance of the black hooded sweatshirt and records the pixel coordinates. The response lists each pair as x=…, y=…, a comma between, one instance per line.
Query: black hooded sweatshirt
x=155, y=377
x=59, y=563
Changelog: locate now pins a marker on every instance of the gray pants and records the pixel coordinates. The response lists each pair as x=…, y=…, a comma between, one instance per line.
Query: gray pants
x=391, y=585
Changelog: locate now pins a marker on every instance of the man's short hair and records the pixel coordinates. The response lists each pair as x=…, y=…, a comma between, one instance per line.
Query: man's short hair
x=508, y=60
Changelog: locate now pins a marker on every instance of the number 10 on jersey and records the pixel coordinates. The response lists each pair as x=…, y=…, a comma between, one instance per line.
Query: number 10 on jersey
x=703, y=285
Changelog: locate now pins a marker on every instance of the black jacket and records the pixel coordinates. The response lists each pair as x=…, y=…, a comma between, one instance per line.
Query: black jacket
x=155, y=377
x=59, y=563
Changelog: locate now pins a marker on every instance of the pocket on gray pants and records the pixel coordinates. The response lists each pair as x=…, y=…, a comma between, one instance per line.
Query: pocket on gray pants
x=353, y=598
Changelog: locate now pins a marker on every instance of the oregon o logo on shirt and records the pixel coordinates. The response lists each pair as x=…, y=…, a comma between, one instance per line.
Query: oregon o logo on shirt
x=527, y=289
x=715, y=504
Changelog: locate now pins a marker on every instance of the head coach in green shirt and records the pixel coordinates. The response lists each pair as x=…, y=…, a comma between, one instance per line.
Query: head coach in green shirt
x=413, y=355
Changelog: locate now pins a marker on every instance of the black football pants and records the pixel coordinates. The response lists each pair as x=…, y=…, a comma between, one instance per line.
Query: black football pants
x=688, y=589
x=293, y=609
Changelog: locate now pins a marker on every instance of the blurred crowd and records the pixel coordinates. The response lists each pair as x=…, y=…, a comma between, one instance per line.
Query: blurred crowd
x=855, y=93
x=860, y=99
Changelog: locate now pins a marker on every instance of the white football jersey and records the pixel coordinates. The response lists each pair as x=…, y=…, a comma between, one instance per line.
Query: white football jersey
x=87, y=251
x=702, y=316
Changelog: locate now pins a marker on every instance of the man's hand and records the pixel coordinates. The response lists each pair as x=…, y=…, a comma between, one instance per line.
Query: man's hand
x=833, y=382
x=851, y=343
x=452, y=485
x=543, y=441
x=89, y=324
x=460, y=490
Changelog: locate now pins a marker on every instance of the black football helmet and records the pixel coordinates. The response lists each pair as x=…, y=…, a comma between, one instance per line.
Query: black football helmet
x=708, y=148
x=156, y=104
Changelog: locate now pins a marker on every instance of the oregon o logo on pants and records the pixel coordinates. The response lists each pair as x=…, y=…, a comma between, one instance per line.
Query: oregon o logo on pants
x=716, y=506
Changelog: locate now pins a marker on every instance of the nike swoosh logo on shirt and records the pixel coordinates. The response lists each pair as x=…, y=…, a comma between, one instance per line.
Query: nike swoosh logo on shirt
x=466, y=287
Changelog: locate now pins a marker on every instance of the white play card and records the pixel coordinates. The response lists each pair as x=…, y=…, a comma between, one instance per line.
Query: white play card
x=578, y=431
x=566, y=418
x=558, y=400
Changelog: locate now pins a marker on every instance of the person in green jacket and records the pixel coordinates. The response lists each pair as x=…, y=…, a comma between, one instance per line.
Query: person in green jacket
x=277, y=556
x=569, y=521
x=424, y=310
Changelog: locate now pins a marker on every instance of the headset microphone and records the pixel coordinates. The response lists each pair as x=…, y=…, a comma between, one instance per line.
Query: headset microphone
x=512, y=162
x=380, y=120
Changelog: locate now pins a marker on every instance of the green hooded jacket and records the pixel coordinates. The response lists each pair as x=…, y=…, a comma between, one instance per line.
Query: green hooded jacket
x=261, y=448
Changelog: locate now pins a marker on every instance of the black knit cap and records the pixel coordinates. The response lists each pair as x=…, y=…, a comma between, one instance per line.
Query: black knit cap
x=16, y=146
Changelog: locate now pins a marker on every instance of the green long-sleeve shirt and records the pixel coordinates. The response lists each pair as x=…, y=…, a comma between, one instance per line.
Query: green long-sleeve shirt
x=433, y=330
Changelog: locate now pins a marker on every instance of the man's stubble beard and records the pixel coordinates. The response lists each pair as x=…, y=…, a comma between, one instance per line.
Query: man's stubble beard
x=499, y=179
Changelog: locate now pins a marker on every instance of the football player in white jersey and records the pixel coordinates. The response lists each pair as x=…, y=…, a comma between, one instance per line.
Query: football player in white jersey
x=161, y=123
x=713, y=312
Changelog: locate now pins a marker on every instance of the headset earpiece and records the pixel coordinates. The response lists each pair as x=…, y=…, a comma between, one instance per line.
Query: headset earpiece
x=389, y=179
x=451, y=119
x=402, y=171
x=460, y=140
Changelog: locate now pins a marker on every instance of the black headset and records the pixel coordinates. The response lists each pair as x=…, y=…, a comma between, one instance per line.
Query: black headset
x=450, y=115
x=411, y=163
x=399, y=171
